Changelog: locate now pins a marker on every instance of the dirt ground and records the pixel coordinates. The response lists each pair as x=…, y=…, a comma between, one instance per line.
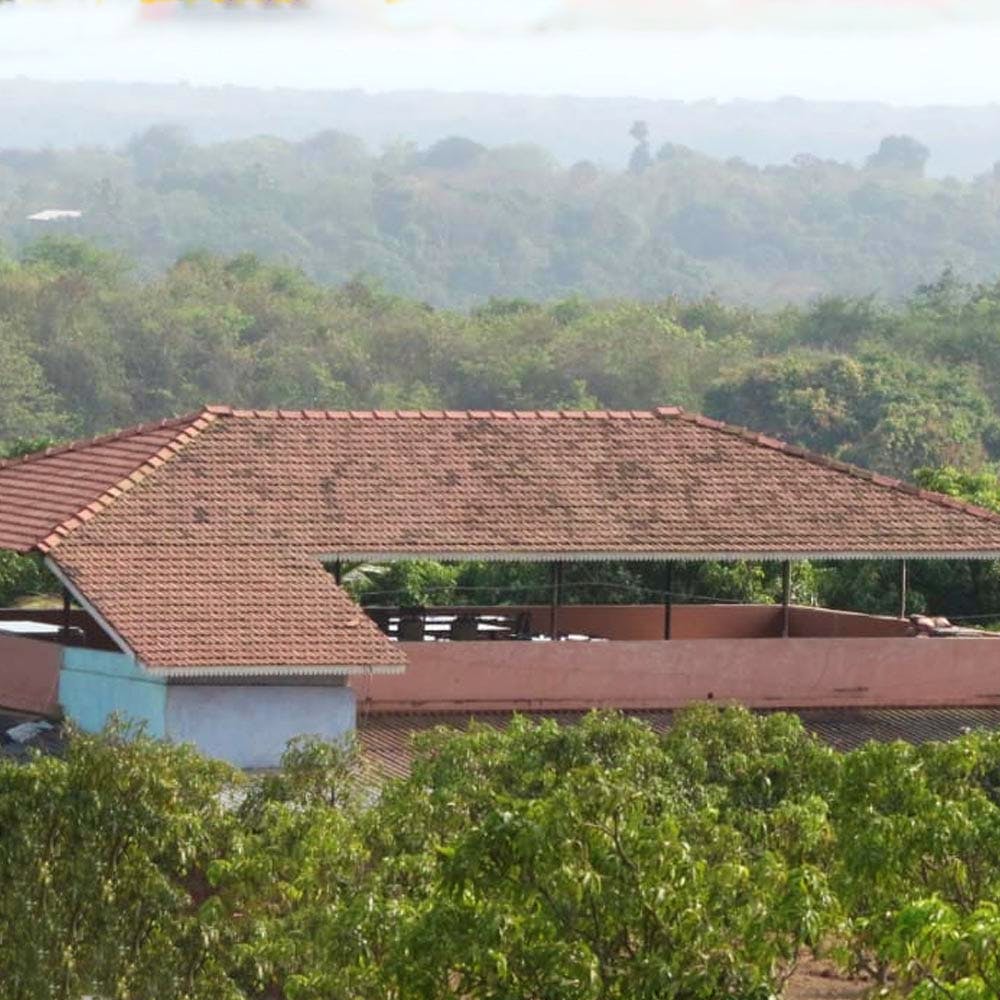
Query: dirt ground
x=820, y=981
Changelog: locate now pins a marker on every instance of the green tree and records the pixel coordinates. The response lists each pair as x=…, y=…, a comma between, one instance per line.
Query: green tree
x=28, y=405
x=899, y=152
x=641, y=159
x=110, y=845
x=912, y=823
x=545, y=854
x=879, y=409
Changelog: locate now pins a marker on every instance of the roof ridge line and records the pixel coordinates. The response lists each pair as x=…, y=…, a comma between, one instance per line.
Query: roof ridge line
x=189, y=428
x=80, y=443
x=424, y=414
x=891, y=483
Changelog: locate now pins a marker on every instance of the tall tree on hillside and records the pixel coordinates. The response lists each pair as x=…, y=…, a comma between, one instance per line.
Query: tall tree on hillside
x=899, y=152
x=641, y=158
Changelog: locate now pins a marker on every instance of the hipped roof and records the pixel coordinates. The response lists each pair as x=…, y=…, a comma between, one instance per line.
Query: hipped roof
x=200, y=540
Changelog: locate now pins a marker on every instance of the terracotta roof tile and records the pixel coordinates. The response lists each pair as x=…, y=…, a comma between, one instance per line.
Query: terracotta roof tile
x=192, y=560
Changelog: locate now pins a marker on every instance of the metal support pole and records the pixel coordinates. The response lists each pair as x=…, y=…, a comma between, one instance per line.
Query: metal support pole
x=786, y=596
x=66, y=614
x=904, y=584
x=337, y=572
x=557, y=571
x=669, y=600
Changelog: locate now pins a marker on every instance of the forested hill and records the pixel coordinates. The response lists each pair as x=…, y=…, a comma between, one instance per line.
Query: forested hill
x=87, y=346
x=964, y=140
x=456, y=222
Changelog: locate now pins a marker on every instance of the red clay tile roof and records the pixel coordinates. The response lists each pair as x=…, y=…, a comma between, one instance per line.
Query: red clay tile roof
x=205, y=553
x=187, y=608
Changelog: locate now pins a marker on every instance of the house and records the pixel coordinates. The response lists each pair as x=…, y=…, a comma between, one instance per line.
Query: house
x=201, y=560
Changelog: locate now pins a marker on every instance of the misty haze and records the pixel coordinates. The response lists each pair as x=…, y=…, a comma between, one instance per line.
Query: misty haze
x=499, y=499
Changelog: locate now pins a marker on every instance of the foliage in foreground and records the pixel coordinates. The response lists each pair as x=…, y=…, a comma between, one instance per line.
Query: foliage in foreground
x=600, y=860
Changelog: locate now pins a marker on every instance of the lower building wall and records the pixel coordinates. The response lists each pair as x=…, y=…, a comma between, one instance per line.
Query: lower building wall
x=725, y=621
x=250, y=726
x=29, y=675
x=761, y=673
x=94, y=685
x=821, y=623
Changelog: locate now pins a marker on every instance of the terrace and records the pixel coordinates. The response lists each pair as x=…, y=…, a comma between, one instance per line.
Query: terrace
x=637, y=657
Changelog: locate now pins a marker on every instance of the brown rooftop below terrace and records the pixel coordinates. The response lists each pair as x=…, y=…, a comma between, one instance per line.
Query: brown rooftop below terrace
x=386, y=739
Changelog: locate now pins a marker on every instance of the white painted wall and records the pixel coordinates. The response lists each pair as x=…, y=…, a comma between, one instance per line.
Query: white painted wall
x=250, y=725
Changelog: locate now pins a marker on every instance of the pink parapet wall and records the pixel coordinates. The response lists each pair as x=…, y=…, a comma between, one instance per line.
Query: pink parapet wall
x=29, y=675
x=759, y=673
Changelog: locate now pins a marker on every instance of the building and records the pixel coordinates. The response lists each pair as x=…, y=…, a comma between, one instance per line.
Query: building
x=201, y=560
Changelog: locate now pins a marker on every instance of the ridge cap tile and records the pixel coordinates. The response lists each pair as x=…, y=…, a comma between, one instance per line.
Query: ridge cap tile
x=882, y=480
x=770, y=442
x=83, y=444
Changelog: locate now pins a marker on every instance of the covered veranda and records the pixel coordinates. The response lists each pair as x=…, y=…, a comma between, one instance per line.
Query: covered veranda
x=560, y=610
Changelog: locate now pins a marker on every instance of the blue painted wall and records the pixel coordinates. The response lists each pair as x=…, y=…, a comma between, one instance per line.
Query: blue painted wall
x=94, y=684
x=250, y=725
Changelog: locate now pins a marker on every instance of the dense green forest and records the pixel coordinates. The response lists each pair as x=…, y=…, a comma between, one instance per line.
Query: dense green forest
x=456, y=222
x=87, y=346
x=598, y=861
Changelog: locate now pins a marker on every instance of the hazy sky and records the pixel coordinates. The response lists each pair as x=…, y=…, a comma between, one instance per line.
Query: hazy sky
x=904, y=51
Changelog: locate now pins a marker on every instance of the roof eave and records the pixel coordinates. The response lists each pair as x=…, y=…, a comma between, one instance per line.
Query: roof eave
x=222, y=671
x=618, y=555
x=89, y=607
